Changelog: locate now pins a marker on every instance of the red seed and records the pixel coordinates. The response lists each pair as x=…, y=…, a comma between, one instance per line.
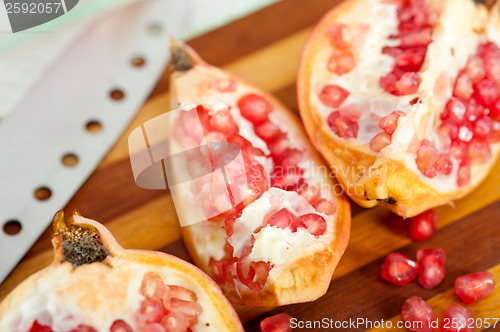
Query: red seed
x=417, y=37
x=389, y=122
x=410, y=60
x=483, y=127
x=479, y=150
x=423, y=226
x=153, y=287
x=475, y=69
x=474, y=286
x=486, y=92
x=341, y=62
x=458, y=149
x=340, y=36
x=457, y=319
x=315, y=224
x=325, y=206
x=120, y=326
x=444, y=164
x=268, y=131
x=407, y=84
x=380, y=141
x=418, y=314
x=463, y=87
x=333, y=95
x=254, y=108
x=285, y=219
x=342, y=125
x=277, y=323
x=463, y=174
x=222, y=121
x=398, y=269
x=455, y=110
x=36, y=327
x=431, y=270
x=152, y=311
x=427, y=156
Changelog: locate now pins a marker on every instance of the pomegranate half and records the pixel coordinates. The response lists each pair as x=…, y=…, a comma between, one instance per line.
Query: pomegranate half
x=402, y=98
x=95, y=285
x=274, y=232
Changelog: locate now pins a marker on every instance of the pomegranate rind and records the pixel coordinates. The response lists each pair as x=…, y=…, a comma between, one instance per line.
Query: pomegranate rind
x=388, y=183
x=85, y=283
x=307, y=278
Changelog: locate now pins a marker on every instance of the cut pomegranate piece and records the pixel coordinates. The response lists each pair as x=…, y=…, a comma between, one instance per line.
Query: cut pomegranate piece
x=341, y=62
x=486, y=92
x=152, y=311
x=389, y=122
x=457, y=319
x=315, y=224
x=277, y=323
x=398, y=269
x=474, y=286
x=333, y=95
x=120, y=326
x=431, y=270
x=423, y=226
x=340, y=36
x=37, y=327
x=342, y=125
x=418, y=314
x=254, y=108
x=380, y=141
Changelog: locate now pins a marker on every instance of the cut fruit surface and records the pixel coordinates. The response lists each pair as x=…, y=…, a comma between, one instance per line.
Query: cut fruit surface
x=426, y=125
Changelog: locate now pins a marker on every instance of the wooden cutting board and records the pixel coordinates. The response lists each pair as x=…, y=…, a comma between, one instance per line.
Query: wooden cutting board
x=265, y=47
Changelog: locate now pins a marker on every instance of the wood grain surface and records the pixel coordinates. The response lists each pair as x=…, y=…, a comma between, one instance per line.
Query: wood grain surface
x=265, y=48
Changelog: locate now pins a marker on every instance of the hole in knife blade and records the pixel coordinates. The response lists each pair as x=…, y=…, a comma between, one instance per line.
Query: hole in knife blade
x=43, y=193
x=93, y=126
x=70, y=160
x=138, y=61
x=117, y=94
x=12, y=227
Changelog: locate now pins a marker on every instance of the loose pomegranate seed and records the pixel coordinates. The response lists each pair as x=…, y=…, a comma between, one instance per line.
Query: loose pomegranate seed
x=120, y=326
x=457, y=319
x=479, y=150
x=398, y=269
x=325, y=206
x=268, y=131
x=380, y=141
x=431, y=270
x=427, y=156
x=339, y=34
x=389, y=122
x=315, y=224
x=36, y=327
x=419, y=313
x=422, y=227
x=342, y=125
x=474, y=286
x=340, y=62
x=254, y=108
x=463, y=174
x=332, y=95
x=276, y=323
x=486, y=92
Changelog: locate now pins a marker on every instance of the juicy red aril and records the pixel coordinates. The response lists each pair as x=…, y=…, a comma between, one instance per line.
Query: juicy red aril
x=120, y=326
x=222, y=121
x=418, y=314
x=325, y=206
x=285, y=219
x=188, y=308
x=341, y=62
x=427, y=156
x=152, y=311
x=174, y=322
x=483, y=127
x=83, y=328
x=389, y=122
x=398, y=269
x=380, y=141
x=254, y=108
x=289, y=158
x=486, y=93
x=339, y=35
x=475, y=69
x=457, y=319
x=332, y=95
x=152, y=286
x=417, y=37
x=479, y=150
x=276, y=323
x=454, y=110
x=431, y=270
x=182, y=293
x=463, y=174
x=268, y=131
x=311, y=194
x=343, y=125
x=474, y=286
x=36, y=327
x=410, y=60
x=422, y=227
x=315, y=224
x=463, y=87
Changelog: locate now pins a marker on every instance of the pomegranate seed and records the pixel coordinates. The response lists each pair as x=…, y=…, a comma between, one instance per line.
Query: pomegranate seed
x=392, y=51
x=417, y=37
x=407, y=84
x=419, y=313
x=483, y=127
x=474, y=286
x=422, y=227
x=187, y=308
x=458, y=149
x=343, y=126
x=326, y=207
x=310, y=193
x=444, y=164
x=120, y=326
x=398, y=269
x=410, y=60
x=494, y=136
x=341, y=62
x=427, y=156
x=153, y=287
x=389, y=122
x=457, y=319
x=474, y=111
x=287, y=179
x=268, y=131
x=153, y=327
x=290, y=158
x=340, y=36
x=463, y=87
x=284, y=219
x=475, y=69
x=431, y=270
x=254, y=108
x=465, y=133
x=279, y=145
x=182, y=293
x=463, y=174
x=479, y=150
x=175, y=322
x=37, y=327
x=333, y=95
x=276, y=323
x=486, y=92
x=222, y=121
x=380, y=141
x=152, y=311
x=492, y=67
x=455, y=110
x=315, y=224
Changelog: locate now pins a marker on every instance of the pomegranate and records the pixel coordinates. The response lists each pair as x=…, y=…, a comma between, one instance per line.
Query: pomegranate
x=276, y=323
x=405, y=114
x=457, y=319
x=272, y=234
x=474, y=286
x=138, y=290
x=431, y=270
x=418, y=315
x=422, y=227
x=398, y=269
